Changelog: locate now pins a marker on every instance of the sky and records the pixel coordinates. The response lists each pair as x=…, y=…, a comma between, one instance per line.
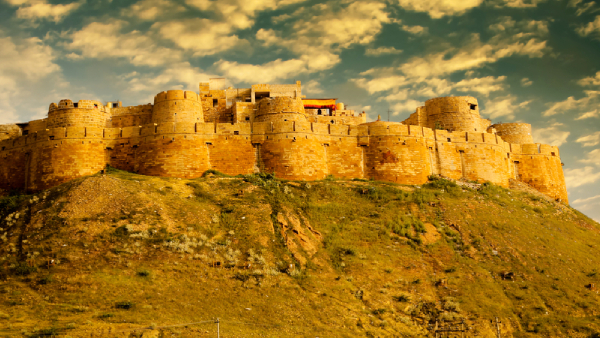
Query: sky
x=533, y=61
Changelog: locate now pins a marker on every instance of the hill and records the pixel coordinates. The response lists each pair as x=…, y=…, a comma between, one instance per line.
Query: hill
x=124, y=255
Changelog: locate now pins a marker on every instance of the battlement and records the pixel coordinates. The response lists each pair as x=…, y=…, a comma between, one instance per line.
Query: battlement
x=81, y=104
x=514, y=132
x=176, y=95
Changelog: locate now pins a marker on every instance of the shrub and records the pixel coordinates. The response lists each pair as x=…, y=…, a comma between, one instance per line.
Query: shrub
x=124, y=305
x=143, y=273
x=403, y=298
x=45, y=280
x=22, y=269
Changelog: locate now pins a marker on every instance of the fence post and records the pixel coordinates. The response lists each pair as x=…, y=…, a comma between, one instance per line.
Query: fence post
x=218, y=331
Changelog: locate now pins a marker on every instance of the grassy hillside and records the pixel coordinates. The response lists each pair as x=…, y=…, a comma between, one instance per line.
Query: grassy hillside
x=133, y=255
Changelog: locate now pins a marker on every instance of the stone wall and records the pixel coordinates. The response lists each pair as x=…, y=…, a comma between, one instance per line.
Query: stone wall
x=177, y=106
x=519, y=133
x=88, y=113
x=172, y=139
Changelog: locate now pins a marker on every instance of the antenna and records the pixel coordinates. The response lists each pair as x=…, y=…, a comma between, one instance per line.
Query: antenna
x=388, y=114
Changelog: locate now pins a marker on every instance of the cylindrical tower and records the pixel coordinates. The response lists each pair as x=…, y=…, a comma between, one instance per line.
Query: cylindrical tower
x=519, y=133
x=453, y=113
x=177, y=106
x=279, y=109
x=85, y=113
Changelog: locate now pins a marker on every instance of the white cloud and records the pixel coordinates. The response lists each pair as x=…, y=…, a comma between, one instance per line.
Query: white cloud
x=581, y=176
x=586, y=200
x=406, y=106
x=589, y=140
x=591, y=28
x=504, y=106
x=203, y=36
x=151, y=9
x=105, y=40
x=552, y=135
x=40, y=9
x=483, y=86
x=583, y=8
x=590, y=81
x=177, y=76
x=265, y=73
x=590, y=114
x=570, y=103
x=316, y=45
x=440, y=8
x=516, y=3
x=381, y=84
x=592, y=157
x=416, y=30
x=43, y=10
x=525, y=82
x=382, y=51
x=24, y=64
x=312, y=87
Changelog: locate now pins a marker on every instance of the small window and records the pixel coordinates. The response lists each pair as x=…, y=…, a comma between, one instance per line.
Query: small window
x=332, y=122
x=236, y=132
x=51, y=138
x=247, y=118
x=3, y=148
x=215, y=102
x=319, y=112
x=76, y=105
x=449, y=140
x=26, y=132
x=553, y=154
x=473, y=106
x=115, y=105
x=96, y=106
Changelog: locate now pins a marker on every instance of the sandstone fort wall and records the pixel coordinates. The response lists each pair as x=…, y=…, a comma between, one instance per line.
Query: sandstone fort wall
x=174, y=138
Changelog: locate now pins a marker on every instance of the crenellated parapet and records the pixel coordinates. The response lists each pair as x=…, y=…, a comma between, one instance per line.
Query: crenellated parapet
x=81, y=114
x=514, y=132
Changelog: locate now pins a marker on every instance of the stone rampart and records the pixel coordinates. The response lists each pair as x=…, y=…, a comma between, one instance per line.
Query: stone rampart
x=514, y=132
x=177, y=106
x=172, y=139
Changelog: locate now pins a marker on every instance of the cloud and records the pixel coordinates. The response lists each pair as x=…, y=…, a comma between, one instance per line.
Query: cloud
x=416, y=30
x=589, y=140
x=25, y=63
x=525, y=82
x=40, y=9
x=312, y=87
x=473, y=55
x=590, y=114
x=105, y=40
x=151, y=9
x=591, y=28
x=586, y=200
x=439, y=8
x=516, y=3
x=581, y=176
x=265, y=73
x=203, y=36
x=406, y=106
x=504, y=106
x=592, y=157
x=315, y=45
x=552, y=135
x=382, y=51
x=571, y=103
x=176, y=76
x=581, y=9
x=590, y=81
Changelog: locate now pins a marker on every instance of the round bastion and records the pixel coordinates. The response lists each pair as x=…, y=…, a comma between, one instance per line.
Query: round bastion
x=177, y=106
x=272, y=109
x=518, y=133
x=453, y=113
x=84, y=113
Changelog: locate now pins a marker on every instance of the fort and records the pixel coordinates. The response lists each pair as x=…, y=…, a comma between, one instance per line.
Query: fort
x=276, y=129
